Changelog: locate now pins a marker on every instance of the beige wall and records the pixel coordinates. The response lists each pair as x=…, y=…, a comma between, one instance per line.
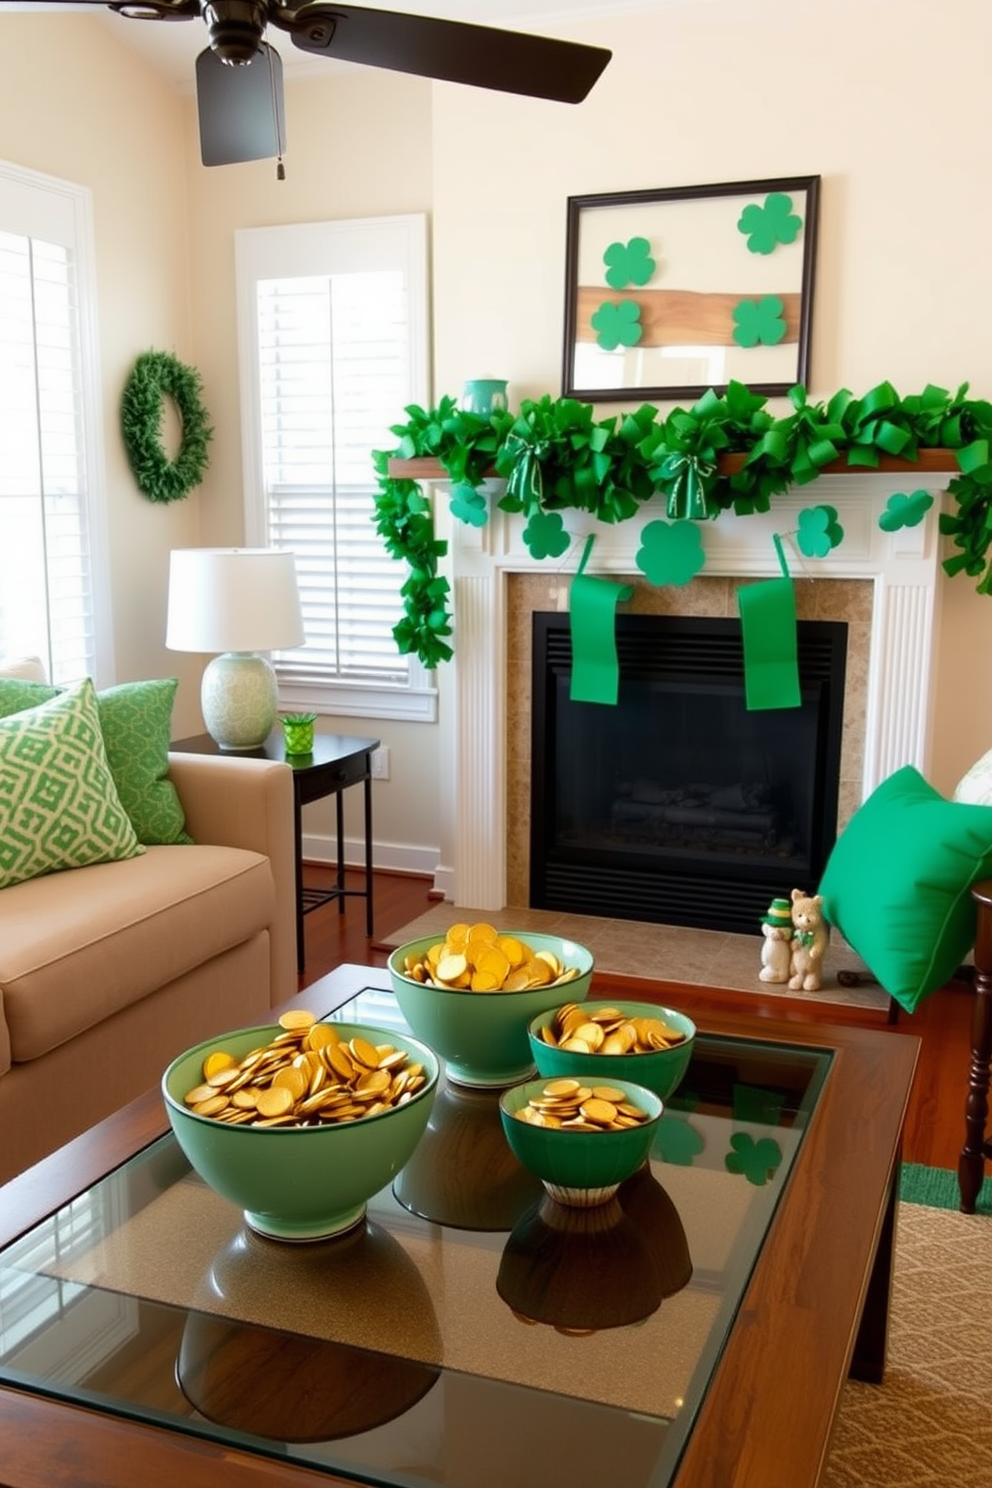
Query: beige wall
x=75, y=104
x=891, y=108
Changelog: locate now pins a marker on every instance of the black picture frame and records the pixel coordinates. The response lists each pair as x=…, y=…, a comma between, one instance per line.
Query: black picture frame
x=706, y=255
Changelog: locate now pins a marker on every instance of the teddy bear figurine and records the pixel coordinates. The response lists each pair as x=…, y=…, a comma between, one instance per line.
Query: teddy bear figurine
x=776, y=951
x=810, y=938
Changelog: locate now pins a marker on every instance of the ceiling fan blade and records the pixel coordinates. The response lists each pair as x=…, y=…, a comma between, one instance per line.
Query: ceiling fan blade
x=240, y=109
x=152, y=10
x=455, y=51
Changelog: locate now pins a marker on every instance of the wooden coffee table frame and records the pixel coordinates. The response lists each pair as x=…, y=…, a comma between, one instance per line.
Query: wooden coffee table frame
x=816, y=1308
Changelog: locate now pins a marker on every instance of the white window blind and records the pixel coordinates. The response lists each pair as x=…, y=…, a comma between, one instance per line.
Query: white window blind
x=334, y=319
x=47, y=422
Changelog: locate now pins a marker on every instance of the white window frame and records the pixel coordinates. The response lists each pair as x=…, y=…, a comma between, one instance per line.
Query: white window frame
x=53, y=210
x=314, y=249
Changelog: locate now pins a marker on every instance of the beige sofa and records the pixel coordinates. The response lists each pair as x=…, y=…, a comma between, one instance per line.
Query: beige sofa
x=108, y=971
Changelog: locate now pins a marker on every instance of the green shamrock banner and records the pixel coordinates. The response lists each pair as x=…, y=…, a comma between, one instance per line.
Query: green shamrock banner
x=768, y=624
x=545, y=535
x=819, y=531
x=592, y=606
x=670, y=552
x=469, y=504
x=905, y=511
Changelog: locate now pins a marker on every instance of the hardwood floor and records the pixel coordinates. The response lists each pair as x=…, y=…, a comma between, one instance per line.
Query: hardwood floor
x=935, y=1122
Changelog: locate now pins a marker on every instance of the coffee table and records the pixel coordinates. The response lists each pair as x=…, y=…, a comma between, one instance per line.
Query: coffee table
x=471, y=1334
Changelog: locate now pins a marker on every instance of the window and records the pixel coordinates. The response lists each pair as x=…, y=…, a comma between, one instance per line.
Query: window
x=50, y=519
x=333, y=338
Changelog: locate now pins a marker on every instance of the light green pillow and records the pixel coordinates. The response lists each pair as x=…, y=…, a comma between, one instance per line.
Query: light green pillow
x=136, y=719
x=898, y=883
x=59, y=807
x=16, y=694
x=136, y=722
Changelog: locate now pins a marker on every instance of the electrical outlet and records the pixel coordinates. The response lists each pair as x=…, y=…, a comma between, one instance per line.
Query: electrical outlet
x=380, y=762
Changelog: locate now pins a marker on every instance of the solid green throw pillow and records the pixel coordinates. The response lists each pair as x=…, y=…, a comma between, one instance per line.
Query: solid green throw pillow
x=136, y=723
x=59, y=807
x=898, y=883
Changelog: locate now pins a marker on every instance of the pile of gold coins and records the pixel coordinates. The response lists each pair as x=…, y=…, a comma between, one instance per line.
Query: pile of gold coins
x=607, y=1031
x=477, y=958
x=307, y=1076
x=572, y=1106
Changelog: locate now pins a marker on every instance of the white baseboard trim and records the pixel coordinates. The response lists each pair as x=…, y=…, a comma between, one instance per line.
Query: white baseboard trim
x=395, y=856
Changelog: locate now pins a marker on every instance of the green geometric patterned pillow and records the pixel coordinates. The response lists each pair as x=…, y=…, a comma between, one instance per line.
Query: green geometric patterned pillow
x=59, y=807
x=136, y=720
x=16, y=694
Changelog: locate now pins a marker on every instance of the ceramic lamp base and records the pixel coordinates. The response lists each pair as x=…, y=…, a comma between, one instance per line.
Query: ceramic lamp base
x=238, y=699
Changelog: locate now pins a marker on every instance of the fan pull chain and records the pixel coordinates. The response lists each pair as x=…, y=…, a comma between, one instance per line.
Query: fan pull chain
x=280, y=168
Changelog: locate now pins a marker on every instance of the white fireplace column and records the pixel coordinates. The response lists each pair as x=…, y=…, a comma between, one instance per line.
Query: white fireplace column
x=904, y=567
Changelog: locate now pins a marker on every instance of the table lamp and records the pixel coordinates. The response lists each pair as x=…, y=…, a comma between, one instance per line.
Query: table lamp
x=237, y=601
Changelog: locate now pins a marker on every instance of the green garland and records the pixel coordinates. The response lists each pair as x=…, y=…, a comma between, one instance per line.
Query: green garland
x=555, y=456
x=155, y=375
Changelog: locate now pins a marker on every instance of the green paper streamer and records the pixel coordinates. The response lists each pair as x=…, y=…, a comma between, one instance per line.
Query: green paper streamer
x=592, y=606
x=768, y=625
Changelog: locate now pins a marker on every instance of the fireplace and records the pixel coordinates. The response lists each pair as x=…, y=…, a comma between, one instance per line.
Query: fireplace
x=882, y=584
x=678, y=805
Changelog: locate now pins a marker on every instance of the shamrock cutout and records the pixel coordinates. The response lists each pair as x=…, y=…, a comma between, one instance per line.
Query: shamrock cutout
x=670, y=552
x=905, y=511
x=545, y=535
x=677, y=1141
x=767, y=226
x=628, y=263
x=758, y=1161
x=759, y=322
x=469, y=505
x=617, y=324
x=819, y=531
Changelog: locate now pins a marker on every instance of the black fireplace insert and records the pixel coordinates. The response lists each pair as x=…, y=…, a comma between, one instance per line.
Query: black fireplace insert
x=678, y=805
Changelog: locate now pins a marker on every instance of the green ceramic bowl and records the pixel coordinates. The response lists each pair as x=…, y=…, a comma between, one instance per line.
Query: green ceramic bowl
x=482, y=1036
x=299, y=1182
x=578, y=1168
x=661, y=1071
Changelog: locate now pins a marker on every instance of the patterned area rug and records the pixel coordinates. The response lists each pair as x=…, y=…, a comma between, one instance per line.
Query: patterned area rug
x=930, y=1424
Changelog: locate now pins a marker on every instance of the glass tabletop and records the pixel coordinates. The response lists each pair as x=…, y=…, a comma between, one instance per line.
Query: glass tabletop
x=472, y=1333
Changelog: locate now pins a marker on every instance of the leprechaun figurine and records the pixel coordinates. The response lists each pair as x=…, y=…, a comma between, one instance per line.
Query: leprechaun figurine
x=776, y=952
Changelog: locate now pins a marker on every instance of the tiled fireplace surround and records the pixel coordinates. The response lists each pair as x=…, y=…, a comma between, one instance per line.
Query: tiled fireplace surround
x=883, y=585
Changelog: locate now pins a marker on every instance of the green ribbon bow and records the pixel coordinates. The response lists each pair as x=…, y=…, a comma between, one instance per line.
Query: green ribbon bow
x=525, y=477
x=686, y=478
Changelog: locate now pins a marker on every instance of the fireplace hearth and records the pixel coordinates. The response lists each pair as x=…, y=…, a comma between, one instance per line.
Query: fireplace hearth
x=679, y=806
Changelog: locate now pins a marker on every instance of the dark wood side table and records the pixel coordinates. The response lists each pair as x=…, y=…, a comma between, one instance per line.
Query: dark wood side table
x=337, y=762
x=977, y=1145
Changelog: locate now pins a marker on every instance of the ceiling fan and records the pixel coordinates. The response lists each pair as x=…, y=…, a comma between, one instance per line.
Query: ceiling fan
x=242, y=120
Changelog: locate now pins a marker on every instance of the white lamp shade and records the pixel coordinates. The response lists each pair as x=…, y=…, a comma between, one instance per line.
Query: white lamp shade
x=233, y=599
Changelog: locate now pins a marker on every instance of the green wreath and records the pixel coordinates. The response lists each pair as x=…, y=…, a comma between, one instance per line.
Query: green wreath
x=155, y=375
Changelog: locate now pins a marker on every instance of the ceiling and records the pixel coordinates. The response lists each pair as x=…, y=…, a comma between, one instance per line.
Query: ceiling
x=172, y=47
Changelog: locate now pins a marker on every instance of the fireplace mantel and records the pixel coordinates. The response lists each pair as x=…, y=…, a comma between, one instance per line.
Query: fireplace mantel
x=904, y=567
x=928, y=460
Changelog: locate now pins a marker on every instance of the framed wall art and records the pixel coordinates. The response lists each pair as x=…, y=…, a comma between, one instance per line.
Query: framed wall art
x=671, y=292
